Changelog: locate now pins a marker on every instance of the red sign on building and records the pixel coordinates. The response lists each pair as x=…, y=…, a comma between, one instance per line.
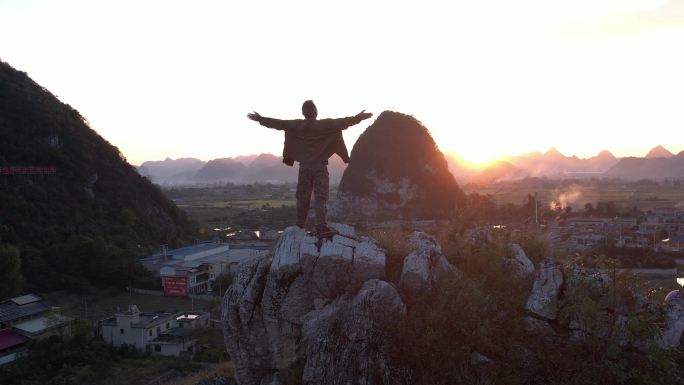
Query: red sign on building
x=175, y=286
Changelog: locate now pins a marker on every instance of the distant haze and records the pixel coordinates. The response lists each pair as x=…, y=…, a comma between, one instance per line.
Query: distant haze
x=488, y=78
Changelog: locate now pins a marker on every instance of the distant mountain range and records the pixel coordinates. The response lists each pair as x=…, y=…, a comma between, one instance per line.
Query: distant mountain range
x=659, y=163
x=240, y=169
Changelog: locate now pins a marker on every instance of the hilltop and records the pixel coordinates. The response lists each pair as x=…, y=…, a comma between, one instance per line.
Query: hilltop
x=86, y=212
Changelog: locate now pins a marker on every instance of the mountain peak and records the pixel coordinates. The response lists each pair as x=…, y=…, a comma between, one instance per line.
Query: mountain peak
x=553, y=153
x=605, y=154
x=659, y=152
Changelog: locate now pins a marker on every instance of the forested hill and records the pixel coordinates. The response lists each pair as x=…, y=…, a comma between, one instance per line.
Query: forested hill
x=71, y=205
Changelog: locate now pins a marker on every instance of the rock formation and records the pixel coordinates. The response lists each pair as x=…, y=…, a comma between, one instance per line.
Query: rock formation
x=555, y=309
x=519, y=264
x=547, y=286
x=425, y=265
x=673, y=333
x=396, y=172
x=319, y=311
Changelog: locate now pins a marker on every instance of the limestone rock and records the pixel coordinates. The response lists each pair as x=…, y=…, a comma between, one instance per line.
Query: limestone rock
x=425, y=265
x=520, y=264
x=265, y=307
x=344, y=340
x=547, y=285
x=673, y=333
x=244, y=332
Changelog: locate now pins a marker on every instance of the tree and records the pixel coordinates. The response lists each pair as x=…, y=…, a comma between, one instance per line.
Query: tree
x=10, y=271
x=589, y=209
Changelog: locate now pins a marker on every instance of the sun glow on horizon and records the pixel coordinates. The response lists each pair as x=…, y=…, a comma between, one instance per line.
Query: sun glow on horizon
x=487, y=78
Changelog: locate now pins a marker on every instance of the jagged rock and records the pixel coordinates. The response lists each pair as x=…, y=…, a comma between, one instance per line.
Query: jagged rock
x=425, y=265
x=265, y=308
x=344, y=339
x=673, y=333
x=547, y=286
x=520, y=264
x=243, y=327
x=609, y=318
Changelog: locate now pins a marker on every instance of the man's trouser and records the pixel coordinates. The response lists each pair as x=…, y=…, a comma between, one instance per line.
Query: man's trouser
x=312, y=177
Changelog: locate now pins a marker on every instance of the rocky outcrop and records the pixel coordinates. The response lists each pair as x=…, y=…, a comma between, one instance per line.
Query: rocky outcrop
x=278, y=305
x=573, y=304
x=319, y=312
x=519, y=264
x=396, y=172
x=547, y=286
x=673, y=333
x=344, y=340
x=425, y=265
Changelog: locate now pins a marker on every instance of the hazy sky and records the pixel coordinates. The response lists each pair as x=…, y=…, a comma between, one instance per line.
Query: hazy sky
x=176, y=78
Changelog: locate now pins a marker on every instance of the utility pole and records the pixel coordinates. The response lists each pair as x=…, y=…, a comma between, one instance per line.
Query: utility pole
x=536, y=210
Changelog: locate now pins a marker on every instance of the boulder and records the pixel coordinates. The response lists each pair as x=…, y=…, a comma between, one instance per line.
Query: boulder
x=519, y=264
x=425, y=265
x=344, y=339
x=546, y=289
x=673, y=332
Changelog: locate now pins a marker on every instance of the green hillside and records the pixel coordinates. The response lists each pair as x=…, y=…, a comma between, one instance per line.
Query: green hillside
x=86, y=220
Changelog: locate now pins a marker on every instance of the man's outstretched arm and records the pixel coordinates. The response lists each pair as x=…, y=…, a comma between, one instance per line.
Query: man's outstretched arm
x=344, y=123
x=277, y=124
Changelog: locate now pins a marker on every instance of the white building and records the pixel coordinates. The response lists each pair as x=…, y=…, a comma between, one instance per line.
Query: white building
x=193, y=269
x=160, y=333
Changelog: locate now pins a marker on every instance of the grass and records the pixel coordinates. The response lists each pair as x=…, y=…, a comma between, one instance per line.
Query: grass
x=151, y=370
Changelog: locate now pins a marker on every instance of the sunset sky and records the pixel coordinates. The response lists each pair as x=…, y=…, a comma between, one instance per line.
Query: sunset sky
x=176, y=78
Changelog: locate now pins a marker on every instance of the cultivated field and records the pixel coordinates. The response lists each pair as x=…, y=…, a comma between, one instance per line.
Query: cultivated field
x=625, y=196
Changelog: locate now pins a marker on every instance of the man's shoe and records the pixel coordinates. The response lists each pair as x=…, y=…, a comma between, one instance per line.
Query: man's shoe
x=323, y=231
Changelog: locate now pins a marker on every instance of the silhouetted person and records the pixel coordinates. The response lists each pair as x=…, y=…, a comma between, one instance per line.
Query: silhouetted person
x=311, y=142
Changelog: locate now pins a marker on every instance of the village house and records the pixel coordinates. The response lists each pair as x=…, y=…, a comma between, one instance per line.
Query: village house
x=159, y=333
x=585, y=241
x=24, y=318
x=586, y=224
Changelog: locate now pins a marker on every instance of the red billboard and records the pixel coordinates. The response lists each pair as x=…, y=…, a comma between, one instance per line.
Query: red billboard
x=175, y=286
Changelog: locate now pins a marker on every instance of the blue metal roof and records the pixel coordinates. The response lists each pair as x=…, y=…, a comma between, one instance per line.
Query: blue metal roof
x=10, y=311
x=182, y=252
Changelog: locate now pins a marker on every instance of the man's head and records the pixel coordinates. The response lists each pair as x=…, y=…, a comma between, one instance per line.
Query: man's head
x=309, y=109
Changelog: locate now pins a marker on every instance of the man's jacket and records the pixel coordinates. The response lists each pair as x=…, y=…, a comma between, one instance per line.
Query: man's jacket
x=312, y=140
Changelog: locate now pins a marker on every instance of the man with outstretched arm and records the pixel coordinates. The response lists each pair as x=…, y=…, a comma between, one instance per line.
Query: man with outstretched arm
x=311, y=142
